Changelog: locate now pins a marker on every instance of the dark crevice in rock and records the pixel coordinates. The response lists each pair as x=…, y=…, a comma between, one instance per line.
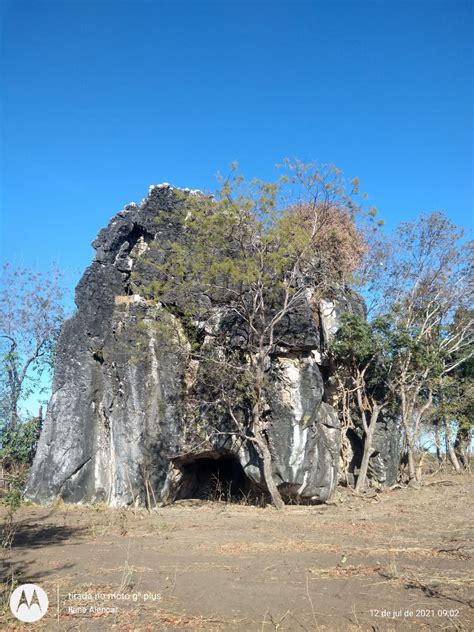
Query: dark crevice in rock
x=98, y=356
x=76, y=471
x=212, y=476
x=194, y=334
x=136, y=234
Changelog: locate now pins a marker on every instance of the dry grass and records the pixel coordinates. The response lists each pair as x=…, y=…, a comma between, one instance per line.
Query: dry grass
x=281, y=546
x=294, y=546
x=345, y=571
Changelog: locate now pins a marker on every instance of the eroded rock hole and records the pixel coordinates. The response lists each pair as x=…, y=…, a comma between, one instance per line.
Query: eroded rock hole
x=216, y=477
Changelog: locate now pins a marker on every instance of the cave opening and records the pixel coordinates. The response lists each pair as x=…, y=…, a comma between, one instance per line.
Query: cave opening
x=213, y=476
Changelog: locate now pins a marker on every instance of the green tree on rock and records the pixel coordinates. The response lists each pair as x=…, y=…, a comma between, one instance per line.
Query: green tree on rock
x=256, y=251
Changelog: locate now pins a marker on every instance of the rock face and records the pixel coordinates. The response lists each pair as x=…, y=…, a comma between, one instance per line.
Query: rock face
x=116, y=428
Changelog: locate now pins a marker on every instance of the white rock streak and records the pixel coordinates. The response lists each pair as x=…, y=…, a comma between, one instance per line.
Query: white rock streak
x=292, y=373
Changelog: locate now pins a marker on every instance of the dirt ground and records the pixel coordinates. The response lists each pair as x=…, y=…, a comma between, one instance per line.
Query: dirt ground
x=401, y=560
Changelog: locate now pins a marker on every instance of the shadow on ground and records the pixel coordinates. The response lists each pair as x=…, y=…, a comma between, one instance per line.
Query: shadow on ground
x=23, y=535
x=33, y=536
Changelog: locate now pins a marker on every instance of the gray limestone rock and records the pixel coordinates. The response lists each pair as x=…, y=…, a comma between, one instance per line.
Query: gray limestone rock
x=116, y=427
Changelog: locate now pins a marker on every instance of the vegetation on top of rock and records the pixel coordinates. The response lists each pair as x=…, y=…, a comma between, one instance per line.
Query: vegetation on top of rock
x=258, y=250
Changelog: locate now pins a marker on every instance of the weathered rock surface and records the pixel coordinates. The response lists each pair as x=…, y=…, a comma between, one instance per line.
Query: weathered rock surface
x=116, y=428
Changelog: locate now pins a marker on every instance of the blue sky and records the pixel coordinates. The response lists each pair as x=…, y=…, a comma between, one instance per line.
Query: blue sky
x=101, y=99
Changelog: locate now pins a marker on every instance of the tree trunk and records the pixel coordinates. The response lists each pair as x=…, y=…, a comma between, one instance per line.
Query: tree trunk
x=260, y=439
x=268, y=470
x=449, y=445
x=409, y=446
x=368, y=440
x=411, y=463
x=364, y=466
x=407, y=443
x=419, y=467
x=346, y=454
x=462, y=446
x=14, y=416
x=439, y=455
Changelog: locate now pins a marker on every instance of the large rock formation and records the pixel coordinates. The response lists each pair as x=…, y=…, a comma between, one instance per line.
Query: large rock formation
x=116, y=429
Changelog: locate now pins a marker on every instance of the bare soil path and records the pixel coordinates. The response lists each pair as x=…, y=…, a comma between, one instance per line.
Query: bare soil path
x=399, y=561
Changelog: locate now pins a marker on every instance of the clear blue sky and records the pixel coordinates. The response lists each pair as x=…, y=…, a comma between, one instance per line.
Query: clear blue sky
x=101, y=99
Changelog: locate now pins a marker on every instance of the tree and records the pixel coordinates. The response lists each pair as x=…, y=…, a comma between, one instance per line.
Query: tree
x=363, y=369
x=424, y=289
x=258, y=250
x=453, y=411
x=31, y=314
x=464, y=414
